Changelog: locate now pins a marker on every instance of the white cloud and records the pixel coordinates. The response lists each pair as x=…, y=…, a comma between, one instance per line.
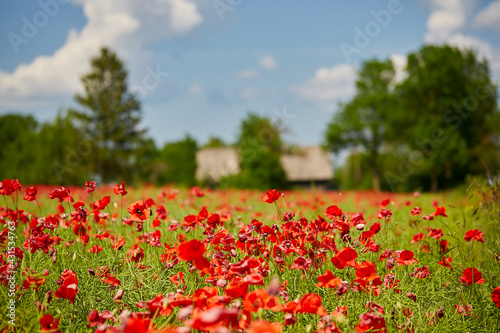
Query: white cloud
x=248, y=93
x=268, y=62
x=399, y=61
x=126, y=26
x=447, y=17
x=195, y=88
x=328, y=85
x=247, y=74
x=489, y=17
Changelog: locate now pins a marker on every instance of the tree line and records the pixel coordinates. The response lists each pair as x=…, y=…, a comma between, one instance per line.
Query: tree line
x=427, y=131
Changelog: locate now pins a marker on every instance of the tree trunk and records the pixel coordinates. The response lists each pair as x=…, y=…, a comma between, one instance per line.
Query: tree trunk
x=376, y=171
x=434, y=180
x=376, y=179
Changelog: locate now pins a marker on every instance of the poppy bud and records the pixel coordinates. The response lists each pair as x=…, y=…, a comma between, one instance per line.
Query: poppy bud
x=118, y=296
x=290, y=319
x=221, y=283
x=412, y=296
x=440, y=312
x=48, y=296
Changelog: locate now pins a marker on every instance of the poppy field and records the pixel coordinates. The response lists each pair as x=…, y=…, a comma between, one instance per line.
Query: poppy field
x=149, y=259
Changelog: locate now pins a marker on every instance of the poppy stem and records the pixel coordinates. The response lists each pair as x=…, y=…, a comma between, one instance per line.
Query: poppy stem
x=121, y=208
x=39, y=208
x=280, y=216
x=15, y=204
x=6, y=204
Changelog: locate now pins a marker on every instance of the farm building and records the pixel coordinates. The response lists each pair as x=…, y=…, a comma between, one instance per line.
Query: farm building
x=303, y=165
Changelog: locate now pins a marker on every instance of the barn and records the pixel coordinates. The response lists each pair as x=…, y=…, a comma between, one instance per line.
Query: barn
x=304, y=166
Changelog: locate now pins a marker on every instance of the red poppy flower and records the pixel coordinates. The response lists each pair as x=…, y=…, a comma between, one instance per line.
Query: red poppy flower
x=416, y=211
x=328, y=280
x=311, y=303
x=384, y=213
x=474, y=234
x=90, y=186
x=262, y=326
x=30, y=193
x=370, y=322
x=333, y=211
x=138, y=211
x=445, y=262
x=196, y=191
x=418, y=237
x=444, y=245
x=471, y=276
x=8, y=186
x=62, y=194
x=464, y=310
x=193, y=250
x=428, y=217
x=372, y=306
x=406, y=258
x=435, y=233
x=271, y=196
x=95, y=249
x=95, y=318
x=69, y=288
x=33, y=282
x=440, y=211
x=384, y=203
x=101, y=203
x=495, y=296
x=421, y=272
x=345, y=257
x=48, y=324
x=366, y=270
x=120, y=189
x=156, y=222
x=301, y=263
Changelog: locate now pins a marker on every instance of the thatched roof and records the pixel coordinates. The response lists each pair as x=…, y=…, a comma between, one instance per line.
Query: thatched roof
x=305, y=164
x=214, y=163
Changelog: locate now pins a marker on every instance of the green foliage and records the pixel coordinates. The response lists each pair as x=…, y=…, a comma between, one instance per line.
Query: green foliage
x=179, y=162
x=364, y=122
x=214, y=142
x=259, y=147
x=448, y=113
x=17, y=135
x=62, y=157
x=430, y=131
x=110, y=118
x=50, y=153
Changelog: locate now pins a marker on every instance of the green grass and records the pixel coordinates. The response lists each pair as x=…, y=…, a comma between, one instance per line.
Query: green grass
x=478, y=208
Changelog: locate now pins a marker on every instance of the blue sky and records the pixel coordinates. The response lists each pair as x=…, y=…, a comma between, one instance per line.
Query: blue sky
x=281, y=58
